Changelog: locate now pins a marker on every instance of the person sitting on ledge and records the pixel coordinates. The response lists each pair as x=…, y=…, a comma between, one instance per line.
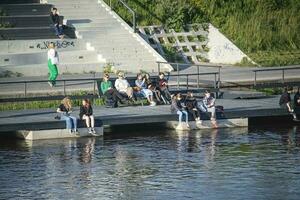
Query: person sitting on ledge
x=177, y=108
x=110, y=92
x=140, y=84
x=58, y=27
x=191, y=105
x=65, y=109
x=297, y=102
x=163, y=86
x=86, y=114
x=208, y=105
x=285, y=102
x=123, y=87
x=152, y=85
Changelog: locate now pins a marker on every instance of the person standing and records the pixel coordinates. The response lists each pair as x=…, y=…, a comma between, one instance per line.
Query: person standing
x=65, y=109
x=58, y=27
x=53, y=60
x=86, y=114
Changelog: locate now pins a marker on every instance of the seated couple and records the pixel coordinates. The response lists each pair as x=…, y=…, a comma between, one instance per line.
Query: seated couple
x=86, y=114
x=183, y=107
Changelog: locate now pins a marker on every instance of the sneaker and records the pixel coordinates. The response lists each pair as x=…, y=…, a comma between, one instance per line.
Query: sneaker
x=76, y=132
x=50, y=83
x=152, y=103
x=90, y=131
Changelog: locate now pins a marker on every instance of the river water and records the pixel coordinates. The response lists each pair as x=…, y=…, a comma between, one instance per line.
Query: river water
x=261, y=163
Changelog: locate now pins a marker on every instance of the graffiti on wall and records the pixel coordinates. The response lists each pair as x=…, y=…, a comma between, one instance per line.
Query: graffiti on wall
x=58, y=44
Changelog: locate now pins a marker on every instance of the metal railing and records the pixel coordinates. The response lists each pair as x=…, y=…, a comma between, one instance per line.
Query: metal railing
x=217, y=74
x=128, y=8
x=282, y=69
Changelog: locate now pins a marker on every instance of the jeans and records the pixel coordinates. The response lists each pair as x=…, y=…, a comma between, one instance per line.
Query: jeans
x=71, y=121
x=180, y=116
x=58, y=30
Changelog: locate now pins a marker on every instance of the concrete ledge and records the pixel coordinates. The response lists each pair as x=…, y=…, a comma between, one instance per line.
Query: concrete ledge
x=222, y=123
x=55, y=134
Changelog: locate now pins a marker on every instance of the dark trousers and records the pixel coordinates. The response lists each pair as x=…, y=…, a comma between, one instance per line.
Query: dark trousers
x=166, y=93
x=113, y=94
x=58, y=30
x=194, y=113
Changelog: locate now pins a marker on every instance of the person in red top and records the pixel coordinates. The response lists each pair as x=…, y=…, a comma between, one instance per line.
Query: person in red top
x=163, y=86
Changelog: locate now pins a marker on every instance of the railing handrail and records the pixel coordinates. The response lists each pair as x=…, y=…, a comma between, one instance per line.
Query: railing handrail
x=275, y=69
x=187, y=64
x=130, y=10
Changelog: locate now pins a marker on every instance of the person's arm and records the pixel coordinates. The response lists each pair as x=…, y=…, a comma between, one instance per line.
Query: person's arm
x=288, y=105
x=81, y=112
x=212, y=102
x=138, y=84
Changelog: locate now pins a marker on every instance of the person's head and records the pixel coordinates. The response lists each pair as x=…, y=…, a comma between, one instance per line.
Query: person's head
x=67, y=102
x=86, y=102
x=54, y=11
x=51, y=45
x=121, y=75
x=190, y=94
x=179, y=96
x=161, y=75
x=139, y=76
x=106, y=77
x=207, y=93
x=289, y=89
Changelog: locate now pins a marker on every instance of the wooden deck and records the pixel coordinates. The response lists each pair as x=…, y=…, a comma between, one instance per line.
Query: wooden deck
x=43, y=119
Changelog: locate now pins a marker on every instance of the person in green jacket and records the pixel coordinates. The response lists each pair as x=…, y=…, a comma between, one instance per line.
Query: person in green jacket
x=110, y=92
x=52, y=64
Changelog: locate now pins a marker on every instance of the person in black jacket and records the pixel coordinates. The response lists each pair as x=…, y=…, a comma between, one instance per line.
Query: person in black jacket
x=86, y=114
x=58, y=27
x=297, y=102
x=191, y=105
x=285, y=102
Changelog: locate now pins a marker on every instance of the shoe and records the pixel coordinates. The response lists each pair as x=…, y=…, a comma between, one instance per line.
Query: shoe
x=76, y=132
x=187, y=125
x=90, y=131
x=50, y=83
x=70, y=131
x=152, y=103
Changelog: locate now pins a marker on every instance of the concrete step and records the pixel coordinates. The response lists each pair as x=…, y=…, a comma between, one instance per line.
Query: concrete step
x=81, y=56
x=42, y=69
x=32, y=33
x=26, y=9
x=32, y=46
x=27, y=20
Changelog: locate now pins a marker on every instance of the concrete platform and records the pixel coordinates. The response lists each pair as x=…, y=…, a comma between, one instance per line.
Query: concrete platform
x=56, y=134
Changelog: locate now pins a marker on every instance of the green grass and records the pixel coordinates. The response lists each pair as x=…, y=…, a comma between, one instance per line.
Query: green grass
x=263, y=29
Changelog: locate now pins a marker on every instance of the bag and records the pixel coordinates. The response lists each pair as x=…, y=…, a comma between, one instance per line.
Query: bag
x=57, y=117
x=136, y=89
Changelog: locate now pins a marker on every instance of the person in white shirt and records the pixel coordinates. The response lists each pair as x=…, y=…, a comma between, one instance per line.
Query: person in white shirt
x=53, y=60
x=123, y=87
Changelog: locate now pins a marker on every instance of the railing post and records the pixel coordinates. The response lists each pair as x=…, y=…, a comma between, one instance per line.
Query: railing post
x=158, y=67
x=215, y=84
x=187, y=82
x=94, y=83
x=219, y=77
x=283, y=76
x=177, y=76
x=25, y=89
x=198, y=77
x=133, y=21
x=254, y=78
x=110, y=5
x=64, y=87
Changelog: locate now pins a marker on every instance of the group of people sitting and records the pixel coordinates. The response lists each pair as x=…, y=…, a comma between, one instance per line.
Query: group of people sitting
x=189, y=105
x=85, y=114
x=155, y=93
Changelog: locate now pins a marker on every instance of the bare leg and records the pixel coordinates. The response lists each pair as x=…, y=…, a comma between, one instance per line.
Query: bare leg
x=92, y=121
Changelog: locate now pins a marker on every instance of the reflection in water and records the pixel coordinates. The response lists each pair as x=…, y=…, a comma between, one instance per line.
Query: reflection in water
x=213, y=164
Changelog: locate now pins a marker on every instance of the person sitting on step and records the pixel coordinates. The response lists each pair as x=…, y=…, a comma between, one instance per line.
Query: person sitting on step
x=141, y=88
x=110, y=92
x=86, y=114
x=123, y=87
x=65, y=109
x=191, y=105
x=58, y=26
x=152, y=85
x=177, y=108
x=208, y=105
x=163, y=86
x=285, y=102
x=297, y=103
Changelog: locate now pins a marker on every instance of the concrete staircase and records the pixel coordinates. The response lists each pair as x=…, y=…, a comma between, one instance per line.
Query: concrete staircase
x=111, y=37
